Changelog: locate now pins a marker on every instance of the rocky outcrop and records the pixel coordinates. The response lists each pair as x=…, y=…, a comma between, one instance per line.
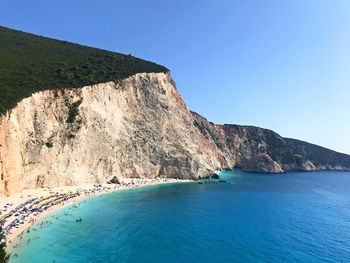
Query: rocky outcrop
x=262, y=162
x=114, y=180
x=256, y=149
x=289, y=154
x=136, y=127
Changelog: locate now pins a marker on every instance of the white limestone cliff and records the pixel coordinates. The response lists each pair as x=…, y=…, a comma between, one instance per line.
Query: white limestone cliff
x=136, y=127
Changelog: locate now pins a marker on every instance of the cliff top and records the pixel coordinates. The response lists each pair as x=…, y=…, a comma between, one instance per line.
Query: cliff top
x=31, y=63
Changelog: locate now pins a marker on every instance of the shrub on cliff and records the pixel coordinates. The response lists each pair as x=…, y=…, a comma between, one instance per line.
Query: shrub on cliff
x=30, y=63
x=73, y=111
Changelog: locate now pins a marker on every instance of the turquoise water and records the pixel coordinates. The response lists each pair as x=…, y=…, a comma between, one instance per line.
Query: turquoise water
x=297, y=217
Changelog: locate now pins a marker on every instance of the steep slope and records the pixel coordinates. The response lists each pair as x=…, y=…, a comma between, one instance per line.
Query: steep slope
x=261, y=150
x=30, y=63
x=135, y=127
x=257, y=145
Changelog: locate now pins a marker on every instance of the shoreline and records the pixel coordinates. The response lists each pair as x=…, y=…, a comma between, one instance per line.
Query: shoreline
x=85, y=191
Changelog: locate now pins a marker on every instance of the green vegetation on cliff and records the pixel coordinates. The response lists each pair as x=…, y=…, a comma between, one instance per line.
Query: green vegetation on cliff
x=30, y=63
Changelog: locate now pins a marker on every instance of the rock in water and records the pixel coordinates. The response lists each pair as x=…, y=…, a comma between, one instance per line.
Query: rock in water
x=215, y=176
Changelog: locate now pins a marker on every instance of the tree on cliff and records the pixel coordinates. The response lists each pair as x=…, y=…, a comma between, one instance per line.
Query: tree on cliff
x=4, y=257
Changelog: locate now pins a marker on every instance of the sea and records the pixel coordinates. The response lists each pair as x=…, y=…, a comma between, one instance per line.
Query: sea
x=295, y=217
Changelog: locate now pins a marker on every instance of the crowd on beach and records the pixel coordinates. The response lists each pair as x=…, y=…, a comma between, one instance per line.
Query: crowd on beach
x=13, y=217
x=19, y=213
x=30, y=207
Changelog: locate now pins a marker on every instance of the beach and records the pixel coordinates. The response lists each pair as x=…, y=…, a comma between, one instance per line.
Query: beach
x=18, y=208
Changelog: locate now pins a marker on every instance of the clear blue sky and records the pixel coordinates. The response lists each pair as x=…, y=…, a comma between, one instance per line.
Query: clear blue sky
x=283, y=65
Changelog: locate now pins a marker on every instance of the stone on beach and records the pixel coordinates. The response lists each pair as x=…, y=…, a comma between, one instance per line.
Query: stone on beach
x=114, y=180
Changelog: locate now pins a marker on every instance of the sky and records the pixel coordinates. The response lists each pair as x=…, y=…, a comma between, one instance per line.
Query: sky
x=282, y=65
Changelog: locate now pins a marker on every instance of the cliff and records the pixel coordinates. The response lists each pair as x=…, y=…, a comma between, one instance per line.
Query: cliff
x=135, y=127
x=256, y=145
x=256, y=149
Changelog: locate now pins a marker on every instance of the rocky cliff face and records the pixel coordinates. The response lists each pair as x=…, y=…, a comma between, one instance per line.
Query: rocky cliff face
x=256, y=149
x=136, y=127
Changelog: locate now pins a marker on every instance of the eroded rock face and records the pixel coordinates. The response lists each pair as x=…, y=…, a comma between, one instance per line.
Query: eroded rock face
x=256, y=149
x=136, y=127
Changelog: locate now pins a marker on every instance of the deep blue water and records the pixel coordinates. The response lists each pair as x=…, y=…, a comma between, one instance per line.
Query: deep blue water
x=297, y=217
